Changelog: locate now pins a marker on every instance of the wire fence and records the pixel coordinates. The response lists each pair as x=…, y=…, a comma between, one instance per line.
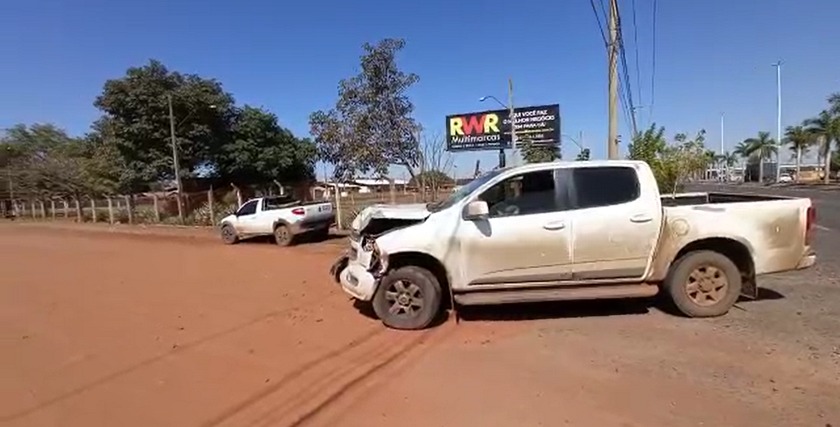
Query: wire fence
x=205, y=208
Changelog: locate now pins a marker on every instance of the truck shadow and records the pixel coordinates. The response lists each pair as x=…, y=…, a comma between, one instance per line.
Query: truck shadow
x=557, y=310
x=566, y=309
x=303, y=239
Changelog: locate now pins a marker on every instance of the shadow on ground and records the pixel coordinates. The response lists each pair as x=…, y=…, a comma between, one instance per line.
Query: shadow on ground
x=567, y=309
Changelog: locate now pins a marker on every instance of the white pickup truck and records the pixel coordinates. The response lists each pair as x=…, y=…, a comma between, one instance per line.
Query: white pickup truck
x=568, y=231
x=282, y=217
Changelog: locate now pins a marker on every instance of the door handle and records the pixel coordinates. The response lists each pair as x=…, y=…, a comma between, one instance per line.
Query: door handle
x=557, y=225
x=640, y=218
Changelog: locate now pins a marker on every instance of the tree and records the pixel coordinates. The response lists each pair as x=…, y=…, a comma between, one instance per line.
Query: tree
x=432, y=178
x=671, y=163
x=533, y=153
x=371, y=126
x=435, y=165
x=49, y=163
x=800, y=141
x=762, y=147
x=136, y=111
x=825, y=128
x=742, y=150
x=260, y=151
x=583, y=155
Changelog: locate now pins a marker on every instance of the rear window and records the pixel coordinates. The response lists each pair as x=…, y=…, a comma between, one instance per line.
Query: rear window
x=604, y=186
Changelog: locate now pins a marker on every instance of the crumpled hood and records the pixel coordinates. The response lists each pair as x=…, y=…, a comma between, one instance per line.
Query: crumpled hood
x=411, y=212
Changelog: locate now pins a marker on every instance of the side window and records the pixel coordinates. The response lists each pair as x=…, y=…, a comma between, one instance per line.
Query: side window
x=604, y=186
x=526, y=194
x=249, y=208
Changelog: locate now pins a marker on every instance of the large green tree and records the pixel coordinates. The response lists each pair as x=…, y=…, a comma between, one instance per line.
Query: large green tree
x=260, y=151
x=371, y=126
x=136, y=113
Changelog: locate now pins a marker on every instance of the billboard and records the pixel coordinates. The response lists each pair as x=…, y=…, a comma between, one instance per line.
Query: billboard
x=490, y=130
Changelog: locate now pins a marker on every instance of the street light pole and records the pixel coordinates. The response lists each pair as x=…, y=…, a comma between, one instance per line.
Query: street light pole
x=510, y=107
x=778, y=66
x=175, y=164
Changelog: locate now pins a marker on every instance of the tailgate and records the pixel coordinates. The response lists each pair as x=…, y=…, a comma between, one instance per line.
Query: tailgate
x=318, y=211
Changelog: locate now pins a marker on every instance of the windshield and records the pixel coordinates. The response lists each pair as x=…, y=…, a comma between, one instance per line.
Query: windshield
x=462, y=192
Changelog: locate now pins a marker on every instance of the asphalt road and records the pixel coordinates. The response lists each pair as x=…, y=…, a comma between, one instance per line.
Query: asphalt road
x=799, y=307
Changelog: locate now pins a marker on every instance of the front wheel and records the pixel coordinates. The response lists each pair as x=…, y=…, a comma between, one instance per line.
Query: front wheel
x=408, y=298
x=704, y=284
x=229, y=236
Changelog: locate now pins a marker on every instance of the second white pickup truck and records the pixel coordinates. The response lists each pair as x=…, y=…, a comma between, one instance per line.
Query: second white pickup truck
x=566, y=231
x=282, y=217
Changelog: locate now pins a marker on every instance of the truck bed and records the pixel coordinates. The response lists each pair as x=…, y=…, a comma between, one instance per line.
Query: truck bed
x=689, y=199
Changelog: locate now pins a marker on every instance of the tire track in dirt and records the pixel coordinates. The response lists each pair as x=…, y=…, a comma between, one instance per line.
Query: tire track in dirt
x=315, y=387
x=181, y=348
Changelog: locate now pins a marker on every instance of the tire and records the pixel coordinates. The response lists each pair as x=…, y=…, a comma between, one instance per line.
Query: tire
x=399, y=294
x=283, y=235
x=229, y=236
x=704, y=284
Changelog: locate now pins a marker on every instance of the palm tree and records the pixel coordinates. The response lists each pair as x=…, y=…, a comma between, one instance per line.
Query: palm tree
x=825, y=128
x=800, y=141
x=728, y=160
x=763, y=147
x=742, y=150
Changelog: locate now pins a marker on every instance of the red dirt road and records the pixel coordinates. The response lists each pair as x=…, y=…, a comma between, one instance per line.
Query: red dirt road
x=114, y=329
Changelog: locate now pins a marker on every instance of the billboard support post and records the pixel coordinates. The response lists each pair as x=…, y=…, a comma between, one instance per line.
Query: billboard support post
x=513, y=142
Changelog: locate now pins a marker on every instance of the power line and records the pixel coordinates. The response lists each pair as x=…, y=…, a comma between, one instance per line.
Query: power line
x=636, y=49
x=626, y=76
x=598, y=18
x=653, y=65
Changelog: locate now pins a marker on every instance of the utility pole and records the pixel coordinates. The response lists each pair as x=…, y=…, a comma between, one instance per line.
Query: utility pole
x=778, y=66
x=175, y=164
x=511, y=112
x=722, y=152
x=612, y=141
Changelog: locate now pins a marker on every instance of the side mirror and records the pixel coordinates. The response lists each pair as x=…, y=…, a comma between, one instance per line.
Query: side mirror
x=475, y=210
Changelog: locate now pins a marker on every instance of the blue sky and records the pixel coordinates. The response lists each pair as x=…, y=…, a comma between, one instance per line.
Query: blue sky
x=712, y=56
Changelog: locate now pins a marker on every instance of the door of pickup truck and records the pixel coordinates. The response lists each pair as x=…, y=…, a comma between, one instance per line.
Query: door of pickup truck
x=616, y=222
x=526, y=236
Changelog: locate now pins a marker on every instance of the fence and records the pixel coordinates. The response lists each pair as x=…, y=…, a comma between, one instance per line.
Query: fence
x=200, y=208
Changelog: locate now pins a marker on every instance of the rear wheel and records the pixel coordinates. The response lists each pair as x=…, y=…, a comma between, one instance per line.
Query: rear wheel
x=283, y=235
x=704, y=284
x=229, y=236
x=408, y=298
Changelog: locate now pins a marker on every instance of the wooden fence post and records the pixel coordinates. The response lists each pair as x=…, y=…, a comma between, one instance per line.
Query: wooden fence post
x=128, y=208
x=110, y=211
x=66, y=208
x=32, y=204
x=43, y=209
x=52, y=208
x=157, y=207
x=210, y=205
x=93, y=209
x=80, y=215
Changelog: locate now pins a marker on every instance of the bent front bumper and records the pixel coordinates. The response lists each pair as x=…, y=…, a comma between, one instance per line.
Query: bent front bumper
x=354, y=278
x=807, y=261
